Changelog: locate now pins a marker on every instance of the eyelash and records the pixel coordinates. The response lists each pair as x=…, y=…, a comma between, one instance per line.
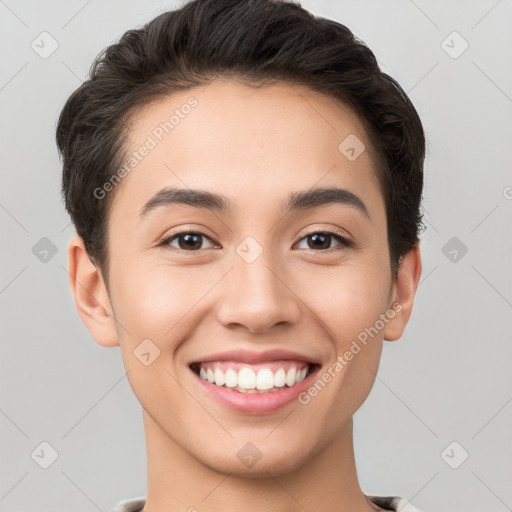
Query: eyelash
x=344, y=242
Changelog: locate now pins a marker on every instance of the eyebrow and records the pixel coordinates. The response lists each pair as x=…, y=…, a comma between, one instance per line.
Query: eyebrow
x=309, y=199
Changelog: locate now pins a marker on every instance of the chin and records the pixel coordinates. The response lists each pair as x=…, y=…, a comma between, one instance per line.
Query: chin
x=267, y=462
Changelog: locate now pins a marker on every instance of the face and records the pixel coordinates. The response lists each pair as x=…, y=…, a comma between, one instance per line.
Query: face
x=250, y=287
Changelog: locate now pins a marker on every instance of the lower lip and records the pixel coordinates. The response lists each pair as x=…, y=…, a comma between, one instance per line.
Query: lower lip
x=256, y=403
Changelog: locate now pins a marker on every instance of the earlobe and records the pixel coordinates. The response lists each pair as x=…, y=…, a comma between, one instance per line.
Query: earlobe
x=407, y=280
x=90, y=294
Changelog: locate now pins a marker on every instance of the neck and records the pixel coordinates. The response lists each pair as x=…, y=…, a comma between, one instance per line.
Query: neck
x=179, y=482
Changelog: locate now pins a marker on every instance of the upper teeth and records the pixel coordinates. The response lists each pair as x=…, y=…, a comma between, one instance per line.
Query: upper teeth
x=246, y=378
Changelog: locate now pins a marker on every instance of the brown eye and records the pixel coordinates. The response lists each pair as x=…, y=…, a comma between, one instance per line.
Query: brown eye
x=319, y=241
x=187, y=241
x=322, y=240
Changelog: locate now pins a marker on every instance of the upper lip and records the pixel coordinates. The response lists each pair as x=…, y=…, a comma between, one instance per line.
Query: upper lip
x=250, y=357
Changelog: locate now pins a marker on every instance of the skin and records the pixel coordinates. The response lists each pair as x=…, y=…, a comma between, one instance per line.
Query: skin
x=255, y=146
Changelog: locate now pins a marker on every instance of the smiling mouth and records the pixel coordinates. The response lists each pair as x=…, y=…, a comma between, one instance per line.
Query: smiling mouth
x=254, y=378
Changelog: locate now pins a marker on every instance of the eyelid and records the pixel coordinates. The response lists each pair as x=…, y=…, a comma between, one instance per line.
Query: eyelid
x=338, y=233
x=166, y=239
x=332, y=230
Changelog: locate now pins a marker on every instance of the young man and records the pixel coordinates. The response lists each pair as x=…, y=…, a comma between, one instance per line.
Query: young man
x=245, y=184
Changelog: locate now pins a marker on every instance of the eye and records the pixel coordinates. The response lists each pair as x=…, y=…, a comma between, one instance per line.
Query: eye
x=322, y=240
x=190, y=241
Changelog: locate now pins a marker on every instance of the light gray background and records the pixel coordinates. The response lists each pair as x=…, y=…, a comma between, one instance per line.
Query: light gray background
x=448, y=379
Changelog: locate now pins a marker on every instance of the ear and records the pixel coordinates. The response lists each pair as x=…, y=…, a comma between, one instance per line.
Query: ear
x=90, y=294
x=403, y=292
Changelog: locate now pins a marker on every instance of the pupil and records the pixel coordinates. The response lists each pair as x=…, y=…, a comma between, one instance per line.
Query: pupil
x=192, y=240
x=322, y=239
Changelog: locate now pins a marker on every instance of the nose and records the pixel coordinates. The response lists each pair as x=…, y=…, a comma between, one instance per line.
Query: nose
x=257, y=296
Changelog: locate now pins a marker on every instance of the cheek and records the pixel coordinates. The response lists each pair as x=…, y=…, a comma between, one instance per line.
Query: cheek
x=347, y=313
x=347, y=300
x=152, y=299
x=348, y=304
x=154, y=302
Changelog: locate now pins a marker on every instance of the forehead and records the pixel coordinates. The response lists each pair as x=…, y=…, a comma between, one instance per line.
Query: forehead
x=246, y=142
